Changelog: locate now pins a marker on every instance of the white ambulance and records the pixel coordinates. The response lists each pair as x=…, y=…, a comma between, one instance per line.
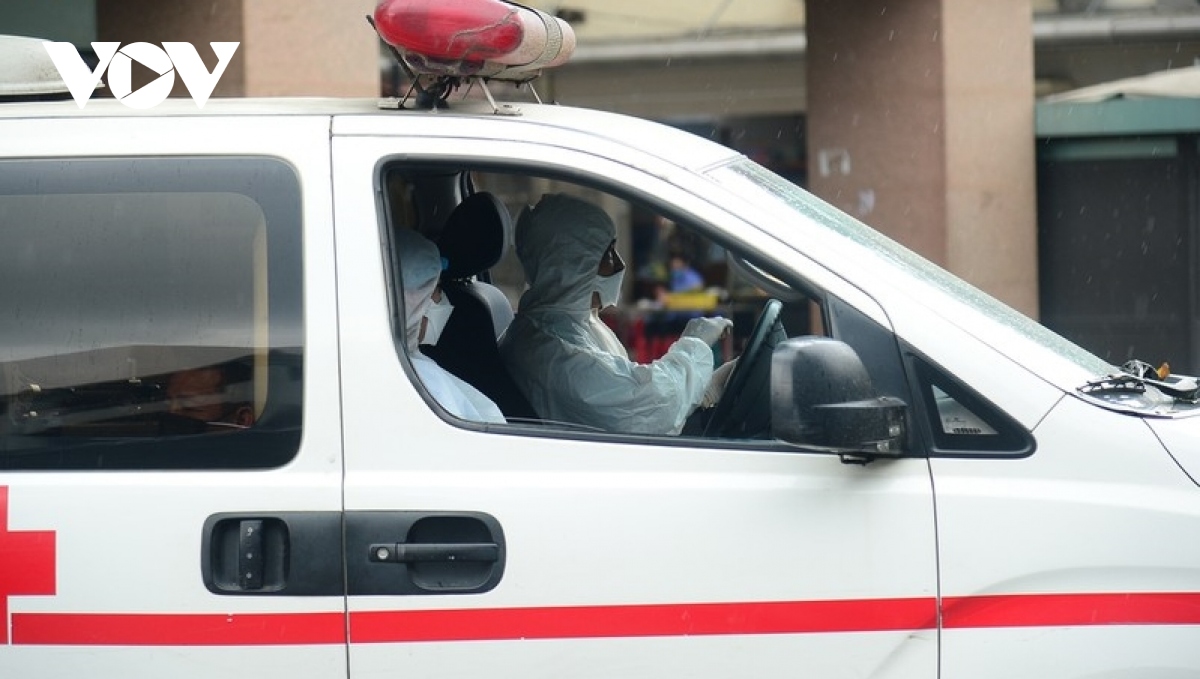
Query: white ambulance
x=904, y=478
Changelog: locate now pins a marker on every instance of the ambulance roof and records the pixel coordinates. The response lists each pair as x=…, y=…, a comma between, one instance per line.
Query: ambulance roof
x=365, y=116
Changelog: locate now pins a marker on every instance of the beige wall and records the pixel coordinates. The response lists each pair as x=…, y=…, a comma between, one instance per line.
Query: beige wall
x=920, y=123
x=293, y=48
x=310, y=47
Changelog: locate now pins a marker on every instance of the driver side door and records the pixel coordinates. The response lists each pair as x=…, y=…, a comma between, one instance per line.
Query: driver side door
x=613, y=554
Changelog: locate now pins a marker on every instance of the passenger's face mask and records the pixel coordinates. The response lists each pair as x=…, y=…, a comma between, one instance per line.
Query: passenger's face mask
x=435, y=320
x=609, y=288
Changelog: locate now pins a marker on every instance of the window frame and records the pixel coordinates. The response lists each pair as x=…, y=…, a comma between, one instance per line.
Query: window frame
x=630, y=194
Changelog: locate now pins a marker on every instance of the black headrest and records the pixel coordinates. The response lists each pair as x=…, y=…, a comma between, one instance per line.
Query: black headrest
x=472, y=240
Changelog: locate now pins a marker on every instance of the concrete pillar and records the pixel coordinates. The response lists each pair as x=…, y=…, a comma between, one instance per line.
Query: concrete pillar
x=920, y=123
x=292, y=48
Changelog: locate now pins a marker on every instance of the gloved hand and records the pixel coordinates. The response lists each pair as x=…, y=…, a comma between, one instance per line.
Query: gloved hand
x=707, y=330
x=716, y=385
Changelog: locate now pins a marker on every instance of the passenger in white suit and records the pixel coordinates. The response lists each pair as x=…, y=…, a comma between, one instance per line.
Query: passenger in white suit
x=426, y=311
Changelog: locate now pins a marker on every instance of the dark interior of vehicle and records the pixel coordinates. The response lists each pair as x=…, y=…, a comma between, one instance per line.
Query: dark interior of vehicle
x=472, y=227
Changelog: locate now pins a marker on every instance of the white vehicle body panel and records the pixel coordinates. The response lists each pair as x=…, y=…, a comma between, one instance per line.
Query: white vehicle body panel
x=129, y=600
x=1070, y=556
x=1182, y=440
x=630, y=558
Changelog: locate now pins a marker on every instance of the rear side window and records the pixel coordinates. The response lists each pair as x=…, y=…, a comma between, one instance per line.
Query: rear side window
x=150, y=313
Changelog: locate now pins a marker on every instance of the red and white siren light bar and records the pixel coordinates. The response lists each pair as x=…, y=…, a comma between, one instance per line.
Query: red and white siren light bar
x=474, y=38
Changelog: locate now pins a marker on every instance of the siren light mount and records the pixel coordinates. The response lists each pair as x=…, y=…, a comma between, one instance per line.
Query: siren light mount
x=430, y=91
x=442, y=45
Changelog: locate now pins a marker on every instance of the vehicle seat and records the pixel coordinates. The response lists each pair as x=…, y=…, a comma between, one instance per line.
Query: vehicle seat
x=472, y=241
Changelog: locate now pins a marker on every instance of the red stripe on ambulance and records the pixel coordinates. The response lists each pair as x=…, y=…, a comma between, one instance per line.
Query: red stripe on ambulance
x=1072, y=610
x=663, y=620
x=166, y=629
x=577, y=622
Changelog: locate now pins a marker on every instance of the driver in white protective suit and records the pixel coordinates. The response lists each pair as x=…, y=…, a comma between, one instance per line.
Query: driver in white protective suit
x=566, y=361
x=426, y=311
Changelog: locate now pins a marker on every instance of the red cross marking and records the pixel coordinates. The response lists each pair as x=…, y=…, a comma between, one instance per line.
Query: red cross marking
x=26, y=563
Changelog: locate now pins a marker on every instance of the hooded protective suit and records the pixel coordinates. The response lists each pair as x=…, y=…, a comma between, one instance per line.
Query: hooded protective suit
x=566, y=361
x=420, y=267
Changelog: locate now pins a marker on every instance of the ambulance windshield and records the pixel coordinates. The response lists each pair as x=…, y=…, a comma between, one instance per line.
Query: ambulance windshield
x=788, y=200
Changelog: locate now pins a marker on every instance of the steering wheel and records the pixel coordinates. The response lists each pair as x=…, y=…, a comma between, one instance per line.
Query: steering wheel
x=744, y=409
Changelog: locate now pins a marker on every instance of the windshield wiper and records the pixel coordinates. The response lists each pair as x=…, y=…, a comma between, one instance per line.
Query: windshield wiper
x=1136, y=375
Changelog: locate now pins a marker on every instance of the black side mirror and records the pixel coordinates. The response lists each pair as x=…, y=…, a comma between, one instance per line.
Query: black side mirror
x=822, y=396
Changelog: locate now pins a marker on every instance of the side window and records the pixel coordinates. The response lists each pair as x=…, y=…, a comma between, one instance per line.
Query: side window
x=150, y=313
x=672, y=270
x=962, y=423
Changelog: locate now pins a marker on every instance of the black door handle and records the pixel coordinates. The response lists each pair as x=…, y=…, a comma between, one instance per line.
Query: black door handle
x=412, y=553
x=281, y=553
